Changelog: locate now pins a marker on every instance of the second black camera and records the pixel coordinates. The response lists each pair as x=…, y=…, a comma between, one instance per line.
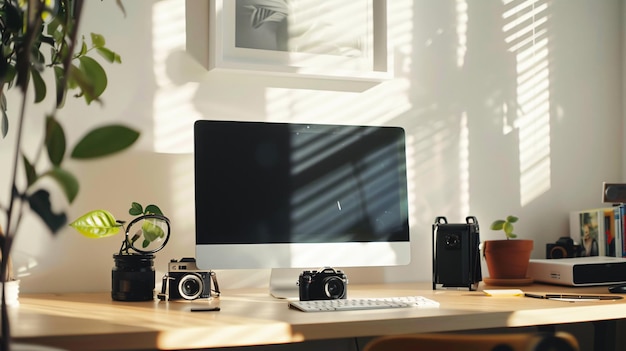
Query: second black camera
x=185, y=280
x=563, y=248
x=325, y=284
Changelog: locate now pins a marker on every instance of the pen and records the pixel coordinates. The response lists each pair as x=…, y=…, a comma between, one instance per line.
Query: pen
x=582, y=297
x=573, y=296
x=205, y=309
x=536, y=296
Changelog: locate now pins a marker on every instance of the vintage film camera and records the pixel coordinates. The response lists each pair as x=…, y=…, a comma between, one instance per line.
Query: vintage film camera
x=456, y=254
x=185, y=281
x=564, y=247
x=325, y=284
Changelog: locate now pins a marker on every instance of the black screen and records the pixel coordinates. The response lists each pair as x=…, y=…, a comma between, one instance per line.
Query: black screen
x=258, y=182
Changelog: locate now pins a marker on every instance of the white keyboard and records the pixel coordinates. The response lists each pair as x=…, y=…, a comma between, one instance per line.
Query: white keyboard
x=363, y=304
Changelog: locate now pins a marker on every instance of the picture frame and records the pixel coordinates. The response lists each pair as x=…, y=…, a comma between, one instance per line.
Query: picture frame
x=221, y=40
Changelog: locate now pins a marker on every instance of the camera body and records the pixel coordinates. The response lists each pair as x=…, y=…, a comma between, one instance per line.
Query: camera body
x=456, y=253
x=325, y=284
x=185, y=281
x=564, y=247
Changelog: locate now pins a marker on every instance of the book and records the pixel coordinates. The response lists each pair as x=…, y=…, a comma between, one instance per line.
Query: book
x=619, y=236
x=622, y=211
x=588, y=228
x=609, y=232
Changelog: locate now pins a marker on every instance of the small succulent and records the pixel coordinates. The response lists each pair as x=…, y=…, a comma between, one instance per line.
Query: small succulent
x=505, y=225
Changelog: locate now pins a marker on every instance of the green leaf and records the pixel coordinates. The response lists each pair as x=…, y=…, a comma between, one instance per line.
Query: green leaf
x=39, y=85
x=97, y=40
x=511, y=219
x=55, y=141
x=14, y=20
x=96, y=224
x=4, y=124
x=61, y=86
x=10, y=75
x=508, y=228
x=109, y=55
x=67, y=181
x=40, y=203
x=153, y=209
x=135, y=209
x=104, y=141
x=83, y=49
x=78, y=79
x=53, y=27
x=31, y=172
x=152, y=231
x=497, y=225
x=95, y=75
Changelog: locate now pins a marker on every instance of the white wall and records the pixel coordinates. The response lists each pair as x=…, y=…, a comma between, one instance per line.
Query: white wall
x=477, y=144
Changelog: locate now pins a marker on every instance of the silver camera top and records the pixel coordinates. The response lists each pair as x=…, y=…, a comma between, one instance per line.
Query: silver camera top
x=186, y=264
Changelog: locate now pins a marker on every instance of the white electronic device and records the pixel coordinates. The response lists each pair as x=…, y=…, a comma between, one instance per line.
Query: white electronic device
x=579, y=271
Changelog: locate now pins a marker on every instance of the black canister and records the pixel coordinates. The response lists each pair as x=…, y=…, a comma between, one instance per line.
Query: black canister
x=133, y=277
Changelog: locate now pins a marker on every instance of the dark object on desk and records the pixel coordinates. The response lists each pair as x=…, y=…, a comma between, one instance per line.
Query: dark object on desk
x=618, y=289
x=132, y=277
x=205, y=309
x=564, y=247
x=456, y=255
x=325, y=284
x=560, y=341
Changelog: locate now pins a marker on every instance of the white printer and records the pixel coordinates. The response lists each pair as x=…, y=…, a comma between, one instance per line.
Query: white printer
x=579, y=271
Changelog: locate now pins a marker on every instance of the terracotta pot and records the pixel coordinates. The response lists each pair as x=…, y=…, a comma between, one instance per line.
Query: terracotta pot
x=507, y=259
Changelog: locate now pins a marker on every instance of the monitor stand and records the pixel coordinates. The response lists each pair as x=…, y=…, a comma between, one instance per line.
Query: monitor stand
x=284, y=283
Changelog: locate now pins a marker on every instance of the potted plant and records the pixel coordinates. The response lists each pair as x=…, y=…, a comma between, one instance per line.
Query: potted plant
x=507, y=260
x=133, y=276
x=40, y=43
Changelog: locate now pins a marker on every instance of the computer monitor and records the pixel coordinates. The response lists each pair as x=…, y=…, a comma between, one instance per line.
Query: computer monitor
x=288, y=195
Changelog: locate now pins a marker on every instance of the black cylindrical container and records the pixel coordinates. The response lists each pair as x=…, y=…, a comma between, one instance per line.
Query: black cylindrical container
x=133, y=277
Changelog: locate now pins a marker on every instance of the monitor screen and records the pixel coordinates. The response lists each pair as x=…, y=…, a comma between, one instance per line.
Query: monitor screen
x=286, y=195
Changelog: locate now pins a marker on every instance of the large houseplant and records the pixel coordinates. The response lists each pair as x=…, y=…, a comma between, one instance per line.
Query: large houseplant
x=507, y=260
x=38, y=42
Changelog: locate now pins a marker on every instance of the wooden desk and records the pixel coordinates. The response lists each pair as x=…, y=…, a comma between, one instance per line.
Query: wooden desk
x=251, y=317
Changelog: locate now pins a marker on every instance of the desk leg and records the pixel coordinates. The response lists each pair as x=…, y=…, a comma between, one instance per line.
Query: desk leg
x=604, y=335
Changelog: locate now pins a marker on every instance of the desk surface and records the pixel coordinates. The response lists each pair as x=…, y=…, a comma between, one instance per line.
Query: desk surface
x=92, y=321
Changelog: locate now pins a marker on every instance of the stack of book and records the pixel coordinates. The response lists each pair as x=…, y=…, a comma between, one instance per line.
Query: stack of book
x=599, y=231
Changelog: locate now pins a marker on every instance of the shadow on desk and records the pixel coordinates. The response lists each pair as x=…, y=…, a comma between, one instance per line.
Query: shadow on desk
x=541, y=341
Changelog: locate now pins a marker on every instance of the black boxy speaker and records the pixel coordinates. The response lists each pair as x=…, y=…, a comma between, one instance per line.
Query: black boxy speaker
x=456, y=254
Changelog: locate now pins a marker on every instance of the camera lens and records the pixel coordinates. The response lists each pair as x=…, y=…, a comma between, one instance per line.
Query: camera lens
x=453, y=241
x=334, y=287
x=558, y=252
x=190, y=287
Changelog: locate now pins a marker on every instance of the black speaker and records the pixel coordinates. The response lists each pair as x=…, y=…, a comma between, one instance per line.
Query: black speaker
x=614, y=192
x=456, y=254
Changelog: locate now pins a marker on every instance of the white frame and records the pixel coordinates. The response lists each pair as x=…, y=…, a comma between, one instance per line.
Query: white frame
x=210, y=40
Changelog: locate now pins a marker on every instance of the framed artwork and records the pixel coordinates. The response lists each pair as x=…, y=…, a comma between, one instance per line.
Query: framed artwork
x=306, y=38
